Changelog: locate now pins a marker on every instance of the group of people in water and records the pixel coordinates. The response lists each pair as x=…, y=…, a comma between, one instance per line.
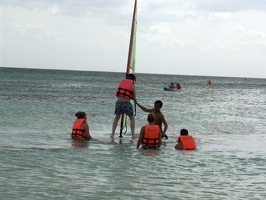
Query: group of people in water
x=151, y=134
x=178, y=86
x=173, y=86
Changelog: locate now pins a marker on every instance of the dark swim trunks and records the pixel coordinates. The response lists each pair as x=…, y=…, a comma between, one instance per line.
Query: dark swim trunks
x=149, y=147
x=123, y=107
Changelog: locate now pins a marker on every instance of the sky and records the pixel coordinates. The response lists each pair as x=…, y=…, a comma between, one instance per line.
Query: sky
x=179, y=37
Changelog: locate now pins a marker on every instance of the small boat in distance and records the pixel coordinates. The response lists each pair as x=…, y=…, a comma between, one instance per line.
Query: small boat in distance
x=167, y=88
x=172, y=87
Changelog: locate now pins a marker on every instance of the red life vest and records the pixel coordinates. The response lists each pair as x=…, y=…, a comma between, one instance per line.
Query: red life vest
x=77, y=131
x=187, y=142
x=124, y=88
x=172, y=85
x=151, y=136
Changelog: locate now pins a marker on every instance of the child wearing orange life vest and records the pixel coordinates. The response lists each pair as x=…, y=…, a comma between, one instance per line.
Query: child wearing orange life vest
x=150, y=134
x=185, y=141
x=80, y=128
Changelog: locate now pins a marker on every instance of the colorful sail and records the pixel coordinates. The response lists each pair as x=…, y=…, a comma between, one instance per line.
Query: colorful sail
x=130, y=62
x=132, y=45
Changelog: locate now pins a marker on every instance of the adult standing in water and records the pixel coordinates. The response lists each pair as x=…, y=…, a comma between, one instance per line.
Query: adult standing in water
x=159, y=117
x=126, y=91
x=80, y=128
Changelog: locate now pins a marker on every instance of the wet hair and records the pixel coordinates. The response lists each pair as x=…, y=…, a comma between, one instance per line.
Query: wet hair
x=150, y=117
x=131, y=76
x=80, y=115
x=159, y=102
x=183, y=132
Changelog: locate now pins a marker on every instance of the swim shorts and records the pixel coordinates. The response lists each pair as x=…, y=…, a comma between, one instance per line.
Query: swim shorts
x=149, y=147
x=123, y=107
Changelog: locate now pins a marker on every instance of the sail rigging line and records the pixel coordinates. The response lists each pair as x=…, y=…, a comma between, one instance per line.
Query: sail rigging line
x=130, y=64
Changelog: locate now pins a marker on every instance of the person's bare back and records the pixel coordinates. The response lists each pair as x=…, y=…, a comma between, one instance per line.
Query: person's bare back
x=159, y=117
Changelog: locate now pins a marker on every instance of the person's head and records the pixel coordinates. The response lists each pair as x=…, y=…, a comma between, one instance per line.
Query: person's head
x=131, y=76
x=158, y=104
x=151, y=118
x=183, y=132
x=80, y=115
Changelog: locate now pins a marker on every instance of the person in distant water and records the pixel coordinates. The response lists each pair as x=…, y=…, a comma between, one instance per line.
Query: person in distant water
x=209, y=82
x=185, y=141
x=125, y=92
x=80, y=128
x=172, y=85
x=159, y=117
x=150, y=134
x=178, y=86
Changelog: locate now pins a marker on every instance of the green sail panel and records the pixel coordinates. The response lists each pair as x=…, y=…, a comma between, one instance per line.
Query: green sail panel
x=133, y=52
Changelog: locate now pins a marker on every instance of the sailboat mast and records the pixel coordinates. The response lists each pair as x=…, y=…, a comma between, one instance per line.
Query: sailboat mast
x=131, y=59
x=131, y=39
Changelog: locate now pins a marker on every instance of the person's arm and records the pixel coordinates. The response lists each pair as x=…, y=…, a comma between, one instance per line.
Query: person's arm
x=143, y=108
x=178, y=146
x=85, y=126
x=140, y=137
x=133, y=88
x=165, y=124
x=160, y=138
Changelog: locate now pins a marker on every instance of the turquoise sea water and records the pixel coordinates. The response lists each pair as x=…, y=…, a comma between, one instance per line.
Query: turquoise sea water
x=38, y=160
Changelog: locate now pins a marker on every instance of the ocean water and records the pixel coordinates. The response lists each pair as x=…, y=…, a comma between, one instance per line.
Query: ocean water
x=38, y=160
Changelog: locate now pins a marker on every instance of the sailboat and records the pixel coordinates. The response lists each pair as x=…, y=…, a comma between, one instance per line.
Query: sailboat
x=130, y=65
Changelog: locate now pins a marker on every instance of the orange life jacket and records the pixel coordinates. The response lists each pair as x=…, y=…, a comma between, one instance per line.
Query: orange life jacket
x=187, y=142
x=77, y=131
x=151, y=136
x=172, y=85
x=124, y=88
